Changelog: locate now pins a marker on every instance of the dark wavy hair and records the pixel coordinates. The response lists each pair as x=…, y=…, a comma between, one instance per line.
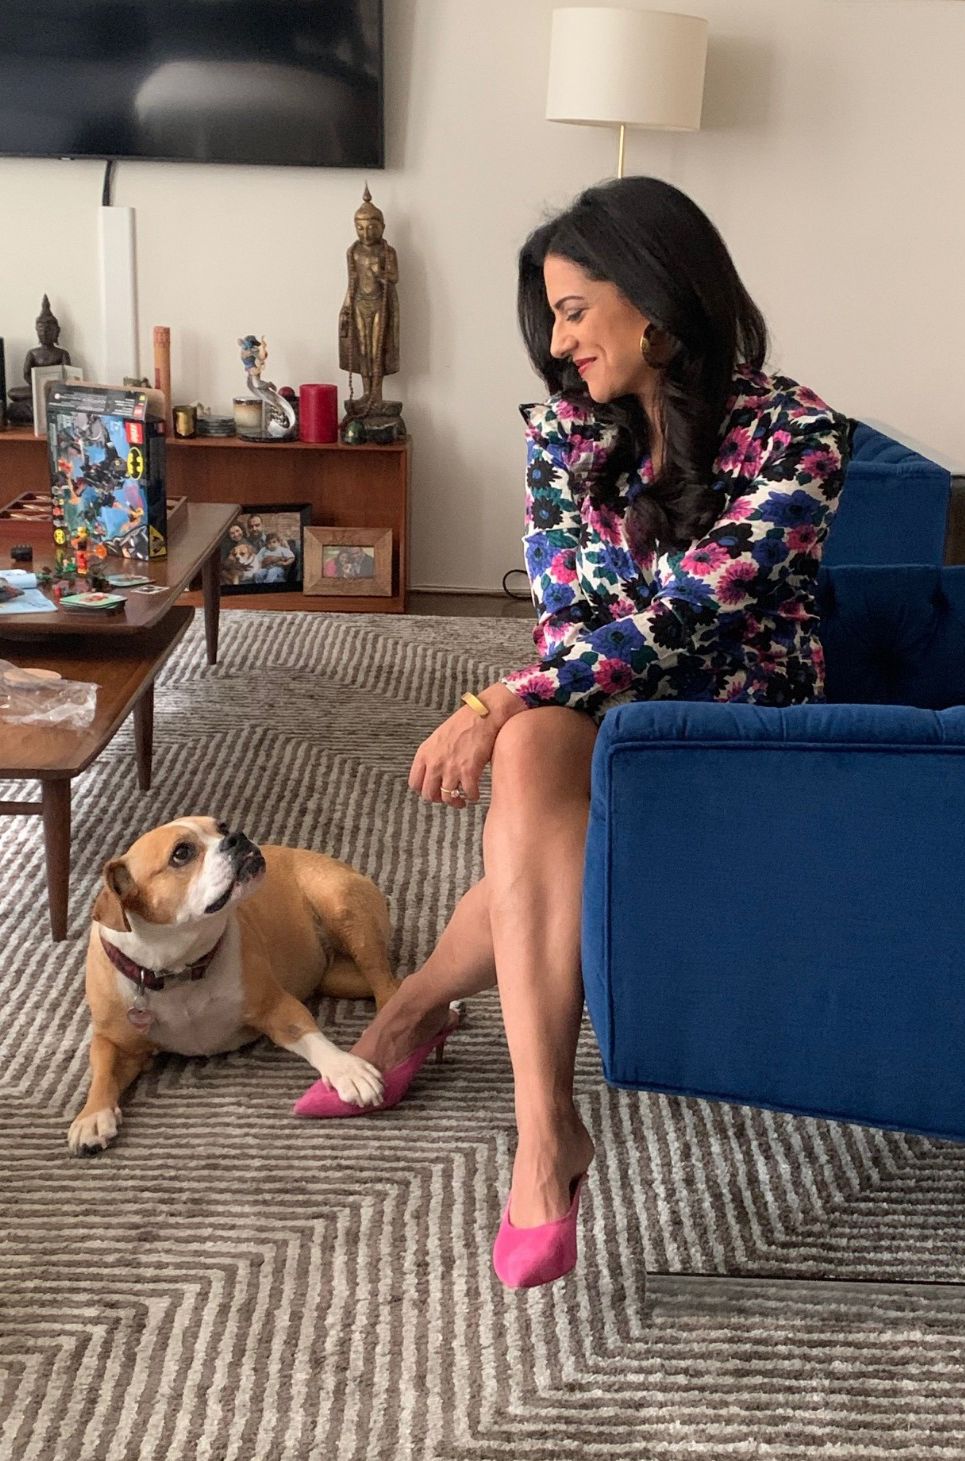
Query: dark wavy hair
x=667, y=258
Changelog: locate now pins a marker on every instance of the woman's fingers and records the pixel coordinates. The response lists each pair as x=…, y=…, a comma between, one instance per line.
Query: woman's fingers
x=448, y=766
x=426, y=778
x=417, y=771
x=459, y=789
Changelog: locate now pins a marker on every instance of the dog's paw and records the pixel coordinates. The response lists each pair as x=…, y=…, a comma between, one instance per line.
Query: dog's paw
x=353, y=1079
x=93, y=1131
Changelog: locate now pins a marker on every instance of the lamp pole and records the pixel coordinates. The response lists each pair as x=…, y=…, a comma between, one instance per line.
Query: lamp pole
x=621, y=149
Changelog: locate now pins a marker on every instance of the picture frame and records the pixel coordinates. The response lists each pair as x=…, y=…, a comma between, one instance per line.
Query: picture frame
x=41, y=378
x=267, y=556
x=344, y=562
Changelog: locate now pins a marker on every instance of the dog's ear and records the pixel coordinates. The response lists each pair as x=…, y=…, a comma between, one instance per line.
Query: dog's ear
x=118, y=891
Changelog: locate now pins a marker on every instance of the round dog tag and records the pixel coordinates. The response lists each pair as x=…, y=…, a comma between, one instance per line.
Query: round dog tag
x=140, y=1018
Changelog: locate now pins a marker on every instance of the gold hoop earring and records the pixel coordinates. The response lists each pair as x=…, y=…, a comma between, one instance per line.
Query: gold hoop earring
x=645, y=346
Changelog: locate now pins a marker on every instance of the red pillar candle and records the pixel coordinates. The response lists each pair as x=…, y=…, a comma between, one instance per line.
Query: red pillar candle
x=318, y=413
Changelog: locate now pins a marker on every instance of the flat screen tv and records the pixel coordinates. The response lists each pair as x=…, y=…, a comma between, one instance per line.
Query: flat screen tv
x=290, y=82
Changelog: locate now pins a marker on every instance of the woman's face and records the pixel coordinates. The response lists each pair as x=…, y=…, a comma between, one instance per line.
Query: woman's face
x=599, y=330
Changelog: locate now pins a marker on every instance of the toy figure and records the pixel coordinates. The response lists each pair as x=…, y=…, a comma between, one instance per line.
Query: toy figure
x=280, y=418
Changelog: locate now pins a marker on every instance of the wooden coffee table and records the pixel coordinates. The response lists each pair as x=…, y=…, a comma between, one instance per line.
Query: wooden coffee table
x=194, y=549
x=124, y=671
x=121, y=653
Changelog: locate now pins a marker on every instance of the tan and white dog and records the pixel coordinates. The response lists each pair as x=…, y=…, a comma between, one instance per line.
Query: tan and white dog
x=202, y=941
x=240, y=564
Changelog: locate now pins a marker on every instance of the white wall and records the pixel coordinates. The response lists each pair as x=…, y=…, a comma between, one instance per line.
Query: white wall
x=830, y=159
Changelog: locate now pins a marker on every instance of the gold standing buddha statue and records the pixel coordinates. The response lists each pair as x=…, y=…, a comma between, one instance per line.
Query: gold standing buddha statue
x=368, y=326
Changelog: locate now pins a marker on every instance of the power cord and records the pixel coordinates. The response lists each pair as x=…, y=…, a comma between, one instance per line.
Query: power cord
x=106, y=190
x=516, y=573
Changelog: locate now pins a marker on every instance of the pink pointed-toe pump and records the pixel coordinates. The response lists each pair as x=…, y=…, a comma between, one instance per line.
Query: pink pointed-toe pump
x=524, y=1258
x=320, y=1100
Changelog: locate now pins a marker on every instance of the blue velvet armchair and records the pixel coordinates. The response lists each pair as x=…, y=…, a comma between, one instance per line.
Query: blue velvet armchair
x=894, y=508
x=773, y=908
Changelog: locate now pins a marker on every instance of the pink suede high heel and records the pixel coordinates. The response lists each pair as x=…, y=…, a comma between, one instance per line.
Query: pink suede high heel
x=320, y=1100
x=524, y=1258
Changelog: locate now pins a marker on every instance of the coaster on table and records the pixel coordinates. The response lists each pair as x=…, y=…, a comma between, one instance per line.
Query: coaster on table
x=92, y=601
x=126, y=580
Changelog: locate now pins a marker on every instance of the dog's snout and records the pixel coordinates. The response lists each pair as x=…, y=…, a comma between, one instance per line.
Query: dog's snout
x=245, y=856
x=236, y=845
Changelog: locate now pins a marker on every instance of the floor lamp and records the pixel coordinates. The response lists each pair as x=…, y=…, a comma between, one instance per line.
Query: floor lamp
x=626, y=68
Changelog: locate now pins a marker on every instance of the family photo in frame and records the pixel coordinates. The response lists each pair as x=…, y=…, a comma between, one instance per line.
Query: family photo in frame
x=263, y=550
x=348, y=561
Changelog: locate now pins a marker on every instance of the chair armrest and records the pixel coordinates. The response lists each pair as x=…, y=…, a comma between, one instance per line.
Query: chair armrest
x=773, y=908
x=684, y=724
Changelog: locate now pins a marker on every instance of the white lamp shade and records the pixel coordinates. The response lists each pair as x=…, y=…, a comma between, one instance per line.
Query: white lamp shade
x=637, y=68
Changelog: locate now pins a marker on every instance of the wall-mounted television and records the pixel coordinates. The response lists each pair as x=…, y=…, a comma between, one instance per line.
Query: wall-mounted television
x=282, y=82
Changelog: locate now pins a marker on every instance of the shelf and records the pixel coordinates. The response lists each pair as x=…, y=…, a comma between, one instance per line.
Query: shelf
x=177, y=442
x=365, y=486
x=25, y=433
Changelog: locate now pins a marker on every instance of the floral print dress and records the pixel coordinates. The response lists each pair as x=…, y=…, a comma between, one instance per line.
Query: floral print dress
x=731, y=617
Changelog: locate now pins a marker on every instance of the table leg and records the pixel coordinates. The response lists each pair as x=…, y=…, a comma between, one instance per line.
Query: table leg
x=144, y=737
x=55, y=810
x=211, y=588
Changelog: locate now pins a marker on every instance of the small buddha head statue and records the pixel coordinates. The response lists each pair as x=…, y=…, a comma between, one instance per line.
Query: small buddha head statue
x=369, y=220
x=47, y=325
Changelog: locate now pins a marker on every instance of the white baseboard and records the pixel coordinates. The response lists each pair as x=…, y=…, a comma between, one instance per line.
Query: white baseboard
x=451, y=588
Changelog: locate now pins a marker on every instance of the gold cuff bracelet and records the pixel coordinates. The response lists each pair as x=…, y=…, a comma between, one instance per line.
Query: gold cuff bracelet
x=474, y=703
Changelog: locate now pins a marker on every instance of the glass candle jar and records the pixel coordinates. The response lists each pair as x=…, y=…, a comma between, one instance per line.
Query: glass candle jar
x=249, y=414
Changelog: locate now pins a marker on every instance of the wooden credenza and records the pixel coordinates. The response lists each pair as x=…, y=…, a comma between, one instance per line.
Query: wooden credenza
x=344, y=486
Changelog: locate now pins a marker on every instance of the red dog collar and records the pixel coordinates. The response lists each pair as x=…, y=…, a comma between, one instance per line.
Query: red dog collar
x=156, y=978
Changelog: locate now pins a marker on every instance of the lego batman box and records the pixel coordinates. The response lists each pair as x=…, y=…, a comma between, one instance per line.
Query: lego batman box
x=106, y=453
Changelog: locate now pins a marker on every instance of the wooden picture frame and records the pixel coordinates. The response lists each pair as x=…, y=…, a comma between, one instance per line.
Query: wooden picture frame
x=348, y=561
x=263, y=572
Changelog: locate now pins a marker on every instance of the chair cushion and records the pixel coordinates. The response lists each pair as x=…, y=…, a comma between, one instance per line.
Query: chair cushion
x=894, y=506
x=894, y=635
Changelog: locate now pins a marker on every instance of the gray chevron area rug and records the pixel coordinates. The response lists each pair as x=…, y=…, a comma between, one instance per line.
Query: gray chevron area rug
x=231, y=1284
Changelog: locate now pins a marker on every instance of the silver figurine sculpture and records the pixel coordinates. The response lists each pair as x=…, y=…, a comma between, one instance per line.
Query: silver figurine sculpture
x=280, y=421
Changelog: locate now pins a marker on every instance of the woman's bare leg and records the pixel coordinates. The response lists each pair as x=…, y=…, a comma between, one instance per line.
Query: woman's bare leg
x=460, y=965
x=533, y=847
x=524, y=918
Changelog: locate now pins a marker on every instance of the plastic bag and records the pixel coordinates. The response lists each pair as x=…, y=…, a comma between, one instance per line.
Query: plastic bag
x=42, y=697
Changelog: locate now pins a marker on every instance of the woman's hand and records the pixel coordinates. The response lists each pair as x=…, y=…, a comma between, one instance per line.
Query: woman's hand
x=458, y=751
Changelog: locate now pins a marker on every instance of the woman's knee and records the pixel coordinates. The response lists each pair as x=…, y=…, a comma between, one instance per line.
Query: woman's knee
x=543, y=752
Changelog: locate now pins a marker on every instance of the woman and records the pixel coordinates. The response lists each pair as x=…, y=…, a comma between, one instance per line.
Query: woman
x=677, y=504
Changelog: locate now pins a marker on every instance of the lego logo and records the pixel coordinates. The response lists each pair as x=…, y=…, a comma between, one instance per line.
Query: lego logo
x=135, y=462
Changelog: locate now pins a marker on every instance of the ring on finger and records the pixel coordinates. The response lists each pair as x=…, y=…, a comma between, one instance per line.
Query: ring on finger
x=459, y=791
